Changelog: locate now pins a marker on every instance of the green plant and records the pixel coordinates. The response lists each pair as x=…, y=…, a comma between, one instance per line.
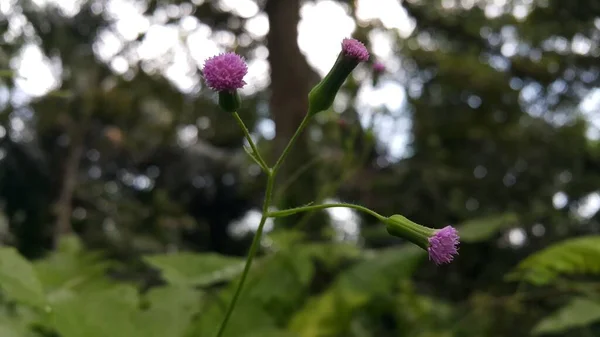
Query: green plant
x=224, y=73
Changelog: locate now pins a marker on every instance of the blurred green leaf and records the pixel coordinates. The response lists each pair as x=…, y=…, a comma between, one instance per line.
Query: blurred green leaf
x=482, y=229
x=9, y=330
x=72, y=269
x=330, y=313
x=170, y=312
x=14, y=326
x=578, y=313
x=246, y=318
x=331, y=254
x=196, y=269
x=279, y=283
x=18, y=279
x=6, y=73
x=112, y=312
x=574, y=256
x=269, y=333
x=174, y=298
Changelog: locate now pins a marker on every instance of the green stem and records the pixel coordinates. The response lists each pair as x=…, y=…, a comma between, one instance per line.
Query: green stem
x=265, y=210
x=257, y=157
x=286, y=151
x=252, y=252
x=291, y=211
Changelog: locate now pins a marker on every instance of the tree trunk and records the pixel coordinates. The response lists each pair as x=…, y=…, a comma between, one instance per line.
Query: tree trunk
x=291, y=78
x=69, y=183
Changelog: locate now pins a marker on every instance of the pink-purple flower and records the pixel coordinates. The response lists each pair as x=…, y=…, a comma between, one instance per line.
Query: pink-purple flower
x=225, y=72
x=355, y=49
x=443, y=245
x=378, y=67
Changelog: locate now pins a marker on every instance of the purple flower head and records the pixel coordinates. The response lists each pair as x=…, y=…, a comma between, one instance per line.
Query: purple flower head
x=225, y=72
x=355, y=49
x=443, y=245
x=378, y=67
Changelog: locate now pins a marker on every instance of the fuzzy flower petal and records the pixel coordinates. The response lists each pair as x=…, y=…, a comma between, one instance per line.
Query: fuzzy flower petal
x=378, y=67
x=443, y=245
x=355, y=49
x=225, y=72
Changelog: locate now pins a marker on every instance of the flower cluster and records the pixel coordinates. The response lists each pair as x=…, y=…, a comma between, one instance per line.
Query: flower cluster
x=225, y=72
x=443, y=245
x=378, y=67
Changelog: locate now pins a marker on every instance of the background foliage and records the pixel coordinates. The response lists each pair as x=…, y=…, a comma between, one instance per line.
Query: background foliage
x=127, y=198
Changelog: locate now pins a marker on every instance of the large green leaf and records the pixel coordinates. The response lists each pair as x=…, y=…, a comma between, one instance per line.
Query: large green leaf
x=382, y=269
x=248, y=317
x=170, y=312
x=269, y=333
x=274, y=289
x=330, y=254
x=113, y=312
x=570, y=257
x=578, y=313
x=174, y=298
x=116, y=312
x=330, y=313
x=9, y=330
x=280, y=276
x=18, y=279
x=482, y=229
x=279, y=282
x=196, y=269
x=72, y=269
x=13, y=325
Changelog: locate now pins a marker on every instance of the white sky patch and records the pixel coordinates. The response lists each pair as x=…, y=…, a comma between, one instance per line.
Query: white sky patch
x=243, y=8
x=258, y=26
x=321, y=30
x=590, y=107
x=68, y=7
x=389, y=94
x=393, y=129
x=200, y=45
x=517, y=237
x=107, y=45
x=589, y=206
x=560, y=200
x=258, y=76
x=34, y=71
x=157, y=41
x=389, y=12
x=249, y=222
x=345, y=222
x=129, y=19
x=381, y=42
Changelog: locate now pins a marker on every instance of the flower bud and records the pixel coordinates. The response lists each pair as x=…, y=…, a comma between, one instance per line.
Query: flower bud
x=225, y=73
x=378, y=70
x=322, y=95
x=441, y=244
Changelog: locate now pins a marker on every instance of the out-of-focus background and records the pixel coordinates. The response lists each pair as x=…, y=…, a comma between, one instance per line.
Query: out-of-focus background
x=128, y=202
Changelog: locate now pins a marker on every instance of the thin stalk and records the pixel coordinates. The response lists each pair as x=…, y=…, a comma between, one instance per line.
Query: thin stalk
x=271, y=172
x=260, y=161
x=291, y=211
x=291, y=143
x=251, y=253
